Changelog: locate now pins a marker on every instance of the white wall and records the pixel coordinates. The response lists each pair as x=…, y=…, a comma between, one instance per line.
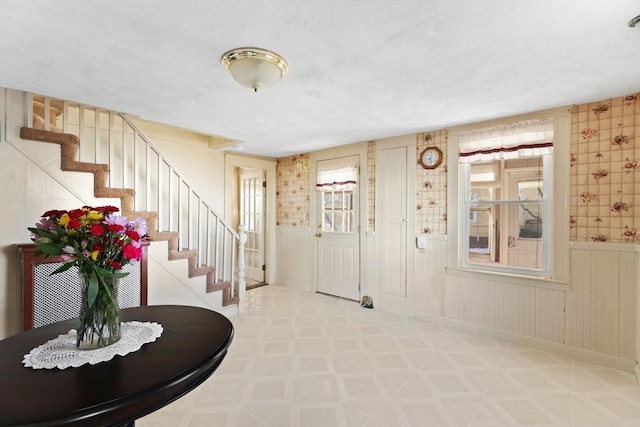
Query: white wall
x=189, y=153
x=34, y=183
x=595, y=319
x=294, y=264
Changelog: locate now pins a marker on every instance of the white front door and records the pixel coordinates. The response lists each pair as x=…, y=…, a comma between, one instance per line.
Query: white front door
x=338, y=241
x=252, y=217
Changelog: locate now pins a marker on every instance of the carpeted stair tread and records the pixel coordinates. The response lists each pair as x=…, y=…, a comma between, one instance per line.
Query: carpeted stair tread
x=182, y=254
x=201, y=271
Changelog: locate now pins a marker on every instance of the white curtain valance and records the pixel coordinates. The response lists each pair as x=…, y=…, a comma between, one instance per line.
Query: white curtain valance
x=344, y=178
x=521, y=139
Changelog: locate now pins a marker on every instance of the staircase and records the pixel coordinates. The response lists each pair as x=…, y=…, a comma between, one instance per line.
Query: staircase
x=127, y=166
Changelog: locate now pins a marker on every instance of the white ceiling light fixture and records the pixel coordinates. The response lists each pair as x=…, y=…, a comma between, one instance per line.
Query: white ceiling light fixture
x=254, y=67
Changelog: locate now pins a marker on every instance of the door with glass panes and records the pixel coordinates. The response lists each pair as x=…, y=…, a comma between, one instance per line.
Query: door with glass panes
x=524, y=239
x=252, y=217
x=337, y=236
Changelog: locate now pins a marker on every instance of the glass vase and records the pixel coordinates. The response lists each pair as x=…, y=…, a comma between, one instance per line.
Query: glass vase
x=99, y=322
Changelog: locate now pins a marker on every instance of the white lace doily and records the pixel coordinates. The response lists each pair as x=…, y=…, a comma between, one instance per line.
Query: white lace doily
x=62, y=353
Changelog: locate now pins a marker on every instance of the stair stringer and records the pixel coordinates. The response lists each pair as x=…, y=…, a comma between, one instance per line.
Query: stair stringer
x=69, y=148
x=172, y=282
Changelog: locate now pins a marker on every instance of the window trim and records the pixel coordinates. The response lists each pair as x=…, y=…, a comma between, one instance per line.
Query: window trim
x=558, y=203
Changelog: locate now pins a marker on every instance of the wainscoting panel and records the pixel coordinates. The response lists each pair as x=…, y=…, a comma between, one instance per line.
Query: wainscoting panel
x=430, y=277
x=550, y=315
x=294, y=263
x=514, y=308
x=629, y=316
x=597, y=313
x=601, y=305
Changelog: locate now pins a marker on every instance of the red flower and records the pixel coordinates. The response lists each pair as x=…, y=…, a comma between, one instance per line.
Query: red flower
x=133, y=235
x=132, y=252
x=106, y=209
x=116, y=265
x=55, y=213
x=97, y=229
x=76, y=213
x=98, y=248
x=115, y=227
x=74, y=223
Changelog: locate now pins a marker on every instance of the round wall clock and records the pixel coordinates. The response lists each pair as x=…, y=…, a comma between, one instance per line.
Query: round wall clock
x=431, y=158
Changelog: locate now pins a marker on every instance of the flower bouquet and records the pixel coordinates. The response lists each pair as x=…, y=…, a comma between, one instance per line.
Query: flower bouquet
x=99, y=244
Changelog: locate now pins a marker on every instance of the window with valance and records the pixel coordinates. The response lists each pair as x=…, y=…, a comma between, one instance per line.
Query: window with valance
x=505, y=171
x=337, y=180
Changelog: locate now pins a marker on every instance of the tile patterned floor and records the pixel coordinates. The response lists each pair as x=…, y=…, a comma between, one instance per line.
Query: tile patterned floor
x=310, y=360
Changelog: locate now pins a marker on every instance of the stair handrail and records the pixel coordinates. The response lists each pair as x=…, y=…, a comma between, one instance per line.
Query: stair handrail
x=164, y=159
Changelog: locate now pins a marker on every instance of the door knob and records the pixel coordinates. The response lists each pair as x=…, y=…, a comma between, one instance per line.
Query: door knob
x=318, y=234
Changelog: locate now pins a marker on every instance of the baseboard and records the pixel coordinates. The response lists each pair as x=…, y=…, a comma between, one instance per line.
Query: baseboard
x=563, y=349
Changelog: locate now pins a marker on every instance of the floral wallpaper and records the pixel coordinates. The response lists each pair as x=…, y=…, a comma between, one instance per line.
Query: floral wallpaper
x=604, y=177
x=431, y=187
x=371, y=182
x=292, y=191
x=605, y=171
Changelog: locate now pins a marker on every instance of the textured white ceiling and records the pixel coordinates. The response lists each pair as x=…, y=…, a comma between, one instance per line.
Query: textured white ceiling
x=359, y=70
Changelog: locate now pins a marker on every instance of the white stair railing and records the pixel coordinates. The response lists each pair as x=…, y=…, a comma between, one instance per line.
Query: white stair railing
x=135, y=162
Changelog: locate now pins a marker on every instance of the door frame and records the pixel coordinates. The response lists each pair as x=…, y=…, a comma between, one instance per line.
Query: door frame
x=258, y=272
x=360, y=150
x=233, y=161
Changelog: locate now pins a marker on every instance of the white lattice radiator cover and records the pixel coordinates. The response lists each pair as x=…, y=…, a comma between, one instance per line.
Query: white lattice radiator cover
x=57, y=297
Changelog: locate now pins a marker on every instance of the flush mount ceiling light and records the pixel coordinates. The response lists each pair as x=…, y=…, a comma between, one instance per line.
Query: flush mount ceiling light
x=254, y=67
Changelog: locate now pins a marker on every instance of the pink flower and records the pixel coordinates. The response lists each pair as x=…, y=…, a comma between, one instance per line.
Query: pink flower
x=46, y=224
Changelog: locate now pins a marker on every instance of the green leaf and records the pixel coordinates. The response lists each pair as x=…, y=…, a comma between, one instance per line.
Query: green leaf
x=92, y=292
x=108, y=273
x=43, y=233
x=50, y=249
x=64, y=267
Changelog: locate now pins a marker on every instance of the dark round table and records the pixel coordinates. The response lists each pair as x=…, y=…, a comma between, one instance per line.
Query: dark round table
x=193, y=343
